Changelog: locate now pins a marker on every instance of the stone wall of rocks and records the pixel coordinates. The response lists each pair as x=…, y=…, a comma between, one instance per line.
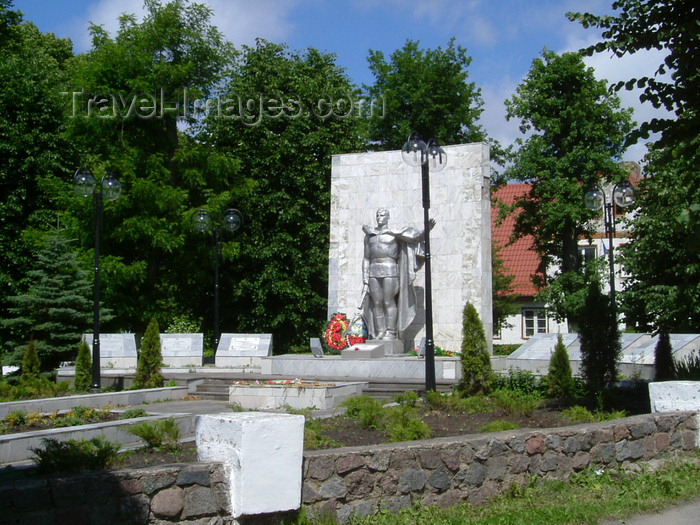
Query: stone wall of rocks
x=356, y=480
x=447, y=471
x=193, y=493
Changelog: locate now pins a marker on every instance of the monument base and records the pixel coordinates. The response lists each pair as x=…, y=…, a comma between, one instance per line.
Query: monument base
x=374, y=348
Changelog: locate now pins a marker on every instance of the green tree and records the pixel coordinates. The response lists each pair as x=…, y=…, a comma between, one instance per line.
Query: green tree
x=31, y=144
x=663, y=358
x=148, y=374
x=425, y=91
x=477, y=375
x=663, y=251
x=576, y=134
x=56, y=309
x=600, y=341
x=662, y=255
x=31, y=364
x=674, y=85
x=280, y=265
x=560, y=381
x=153, y=261
x=83, y=368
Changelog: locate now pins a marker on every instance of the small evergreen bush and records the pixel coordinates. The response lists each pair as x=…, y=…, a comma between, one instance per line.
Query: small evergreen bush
x=161, y=435
x=600, y=342
x=516, y=403
x=74, y=455
x=499, y=426
x=367, y=411
x=518, y=380
x=663, y=358
x=404, y=424
x=560, y=381
x=477, y=375
x=31, y=366
x=148, y=374
x=132, y=413
x=83, y=368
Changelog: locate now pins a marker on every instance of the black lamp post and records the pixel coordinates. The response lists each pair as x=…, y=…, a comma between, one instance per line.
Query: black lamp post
x=231, y=221
x=623, y=194
x=428, y=156
x=109, y=189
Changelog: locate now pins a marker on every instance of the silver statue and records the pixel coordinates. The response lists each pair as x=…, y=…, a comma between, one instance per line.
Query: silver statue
x=389, y=266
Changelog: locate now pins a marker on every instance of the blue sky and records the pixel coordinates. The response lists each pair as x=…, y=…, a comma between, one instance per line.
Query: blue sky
x=501, y=36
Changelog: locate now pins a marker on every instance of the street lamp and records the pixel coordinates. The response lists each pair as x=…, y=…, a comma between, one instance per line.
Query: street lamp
x=231, y=221
x=623, y=195
x=428, y=156
x=110, y=188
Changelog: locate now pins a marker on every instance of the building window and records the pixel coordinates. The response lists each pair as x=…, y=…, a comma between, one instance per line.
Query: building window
x=586, y=254
x=534, y=321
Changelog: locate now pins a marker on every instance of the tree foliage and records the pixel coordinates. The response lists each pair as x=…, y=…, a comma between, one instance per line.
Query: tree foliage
x=576, y=134
x=148, y=374
x=31, y=364
x=153, y=261
x=600, y=341
x=662, y=256
x=560, y=380
x=425, y=91
x=57, y=308
x=83, y=368
x=669, y=26
x=279, y=271
x=663, y=358
x=31, y=143
x=477, y=375
x=663, y=253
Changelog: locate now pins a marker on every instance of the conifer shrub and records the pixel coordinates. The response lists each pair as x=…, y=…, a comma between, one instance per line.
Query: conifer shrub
x=148, y=374
x=477, y=375
x=75, y=455
x=83, y=368
x=31, y=366
x=663, y=358
x=560, y=380
x=600, y=342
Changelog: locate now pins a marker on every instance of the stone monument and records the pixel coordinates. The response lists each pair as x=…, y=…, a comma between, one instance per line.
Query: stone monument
x=362, y=183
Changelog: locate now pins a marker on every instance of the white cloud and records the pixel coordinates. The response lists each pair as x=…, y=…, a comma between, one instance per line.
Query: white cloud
x=240, y=21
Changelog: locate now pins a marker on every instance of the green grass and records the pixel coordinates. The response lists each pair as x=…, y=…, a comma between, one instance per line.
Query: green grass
x=589, y=498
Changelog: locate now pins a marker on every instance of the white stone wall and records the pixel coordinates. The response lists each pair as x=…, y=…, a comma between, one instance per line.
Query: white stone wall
x=460, y=242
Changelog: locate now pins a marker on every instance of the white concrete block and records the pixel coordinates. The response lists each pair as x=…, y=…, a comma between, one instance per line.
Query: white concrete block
x=263, y=454
x=670, y=396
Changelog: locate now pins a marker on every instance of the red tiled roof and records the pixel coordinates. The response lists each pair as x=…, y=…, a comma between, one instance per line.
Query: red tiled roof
x=519, y=258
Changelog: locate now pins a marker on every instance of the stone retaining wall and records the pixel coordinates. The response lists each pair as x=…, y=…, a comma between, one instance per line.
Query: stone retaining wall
x=447, y=471
x=361, y=480
x=193, y=493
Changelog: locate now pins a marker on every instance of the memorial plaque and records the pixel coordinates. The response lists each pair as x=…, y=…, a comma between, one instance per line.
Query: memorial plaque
x=182, y=349
x=116, y=350
x=241, y=349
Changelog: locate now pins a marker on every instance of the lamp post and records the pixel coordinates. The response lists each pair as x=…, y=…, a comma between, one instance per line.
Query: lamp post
x=85, y=184
x=623, y=195
x=231, y=221
x=416, y=153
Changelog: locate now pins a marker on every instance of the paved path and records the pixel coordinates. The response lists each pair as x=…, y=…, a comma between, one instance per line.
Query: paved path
x=683, y=514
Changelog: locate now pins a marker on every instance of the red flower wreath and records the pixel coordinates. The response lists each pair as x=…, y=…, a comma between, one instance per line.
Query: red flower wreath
x=335, y=332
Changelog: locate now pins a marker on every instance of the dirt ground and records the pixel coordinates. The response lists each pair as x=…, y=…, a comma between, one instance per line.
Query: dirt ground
x=346, y=432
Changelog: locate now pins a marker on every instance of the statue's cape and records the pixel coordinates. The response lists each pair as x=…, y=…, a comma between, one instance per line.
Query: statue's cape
x=410, y=260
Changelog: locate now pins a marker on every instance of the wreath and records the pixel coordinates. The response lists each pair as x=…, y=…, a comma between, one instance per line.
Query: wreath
x=334, y=335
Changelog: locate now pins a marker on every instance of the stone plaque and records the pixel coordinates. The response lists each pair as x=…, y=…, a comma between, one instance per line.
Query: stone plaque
x=245, y=345
x=116, y=350
x=182, y=349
